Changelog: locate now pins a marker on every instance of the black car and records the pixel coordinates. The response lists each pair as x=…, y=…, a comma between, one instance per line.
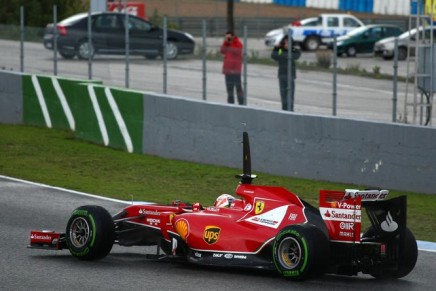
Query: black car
x=108, y=37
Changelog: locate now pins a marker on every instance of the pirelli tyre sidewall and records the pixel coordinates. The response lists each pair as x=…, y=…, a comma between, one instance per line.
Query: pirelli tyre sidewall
x=301, y=252
x=90, y=233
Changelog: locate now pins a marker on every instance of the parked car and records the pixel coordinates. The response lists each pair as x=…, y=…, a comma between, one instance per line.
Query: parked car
x=108, y=37
x=362, y=40
x=406, y=41
x=310, y=33
x=273, y=37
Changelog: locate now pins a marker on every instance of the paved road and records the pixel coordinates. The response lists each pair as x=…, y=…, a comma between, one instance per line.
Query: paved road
x=357, y=97
x=30, y=206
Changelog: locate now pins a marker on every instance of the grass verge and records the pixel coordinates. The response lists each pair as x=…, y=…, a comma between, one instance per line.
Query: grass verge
x=56, y=158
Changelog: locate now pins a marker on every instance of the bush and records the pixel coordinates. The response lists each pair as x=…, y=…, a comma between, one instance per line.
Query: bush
x=324, y=58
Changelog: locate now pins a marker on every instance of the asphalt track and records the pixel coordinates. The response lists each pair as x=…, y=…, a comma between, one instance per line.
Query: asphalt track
x=26, y=206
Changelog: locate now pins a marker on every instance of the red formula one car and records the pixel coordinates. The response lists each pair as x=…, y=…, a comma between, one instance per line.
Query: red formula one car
x=265, y=227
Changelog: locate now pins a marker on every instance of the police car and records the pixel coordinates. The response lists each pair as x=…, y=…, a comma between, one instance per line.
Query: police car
x=310, y=33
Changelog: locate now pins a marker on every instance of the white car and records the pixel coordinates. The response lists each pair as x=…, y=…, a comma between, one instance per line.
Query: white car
x=310, y=33
x=273, y=37
x=406, y=41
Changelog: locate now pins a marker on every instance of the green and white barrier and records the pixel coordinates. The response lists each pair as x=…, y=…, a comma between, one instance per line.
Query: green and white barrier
x=97, y=113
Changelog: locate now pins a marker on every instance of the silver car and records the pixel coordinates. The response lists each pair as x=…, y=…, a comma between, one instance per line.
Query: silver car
x=406, y=41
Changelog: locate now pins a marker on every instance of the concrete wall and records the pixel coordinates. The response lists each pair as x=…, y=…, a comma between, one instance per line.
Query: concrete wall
x=11, y=98
x=369, y=154
x=391, y=156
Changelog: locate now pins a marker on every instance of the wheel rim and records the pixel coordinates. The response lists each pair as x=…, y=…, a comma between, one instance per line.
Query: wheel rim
x=85, y=50
x=402, y=54
x=351, y=51
x=79, y=232
x=171, y=50
x=289, y=253
x=312, y=44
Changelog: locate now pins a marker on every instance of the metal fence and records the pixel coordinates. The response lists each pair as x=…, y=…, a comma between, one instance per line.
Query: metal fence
x=326, y=84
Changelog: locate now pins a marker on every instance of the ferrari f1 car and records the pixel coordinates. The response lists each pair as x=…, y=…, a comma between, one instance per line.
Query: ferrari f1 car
x=265, y=227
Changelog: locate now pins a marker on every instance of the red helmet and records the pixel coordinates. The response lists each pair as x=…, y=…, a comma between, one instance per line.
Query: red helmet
x=224, y=200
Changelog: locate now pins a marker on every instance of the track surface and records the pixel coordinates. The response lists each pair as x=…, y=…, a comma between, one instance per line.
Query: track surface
x=27, y=206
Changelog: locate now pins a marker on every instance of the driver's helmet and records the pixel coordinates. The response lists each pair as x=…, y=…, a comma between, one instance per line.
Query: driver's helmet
x=224, y=200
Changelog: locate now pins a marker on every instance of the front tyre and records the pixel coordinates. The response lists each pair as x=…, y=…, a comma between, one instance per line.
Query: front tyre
x=301, y=252
x=172, y=50
x=351, y=51
x=90, y=233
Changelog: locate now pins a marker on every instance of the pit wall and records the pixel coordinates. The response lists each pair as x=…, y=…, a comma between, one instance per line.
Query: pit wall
x=371, y=154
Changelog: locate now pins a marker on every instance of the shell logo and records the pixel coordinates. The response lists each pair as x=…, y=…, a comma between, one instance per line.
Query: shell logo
x=172, y=215
x=182, y=228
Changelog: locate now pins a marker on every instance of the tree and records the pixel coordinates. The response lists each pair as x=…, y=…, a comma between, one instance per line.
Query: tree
x=39, y=12
x=230, y=18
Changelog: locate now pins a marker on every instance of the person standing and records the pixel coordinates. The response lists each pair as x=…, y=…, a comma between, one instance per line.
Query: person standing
x=280, y=54
x=232, y=67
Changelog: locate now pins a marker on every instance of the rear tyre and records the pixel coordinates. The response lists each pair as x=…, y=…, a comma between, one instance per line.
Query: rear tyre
x=84, y=50
x=402, y=53
x=90, y=233
x=301, y=252
x=408, y=255
x=311, y=43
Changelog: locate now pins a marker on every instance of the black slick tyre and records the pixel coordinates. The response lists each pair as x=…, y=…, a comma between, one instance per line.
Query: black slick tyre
x=301, y=252
x=90, y=233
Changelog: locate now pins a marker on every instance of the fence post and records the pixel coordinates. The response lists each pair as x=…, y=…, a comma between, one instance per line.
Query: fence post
x=290, y=86
x=204, y=56
x=245, y=66
x=395, y=79
x=55, y=40
x=21, y=39
x=165, y=51
x=335, y=72
x=89, y=46
x=127, y=44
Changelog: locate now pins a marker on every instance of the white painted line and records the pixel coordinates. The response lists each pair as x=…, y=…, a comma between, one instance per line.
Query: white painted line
x=98, y=114
x=64, y=103
x=120, y=120
x=41, y=101
x=65, y=190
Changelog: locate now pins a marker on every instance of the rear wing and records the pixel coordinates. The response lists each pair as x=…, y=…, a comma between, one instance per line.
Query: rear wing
x=342, y=214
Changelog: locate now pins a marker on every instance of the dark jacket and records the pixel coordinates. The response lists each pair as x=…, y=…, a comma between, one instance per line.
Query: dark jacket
x=232, y=52
x=280, y=54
